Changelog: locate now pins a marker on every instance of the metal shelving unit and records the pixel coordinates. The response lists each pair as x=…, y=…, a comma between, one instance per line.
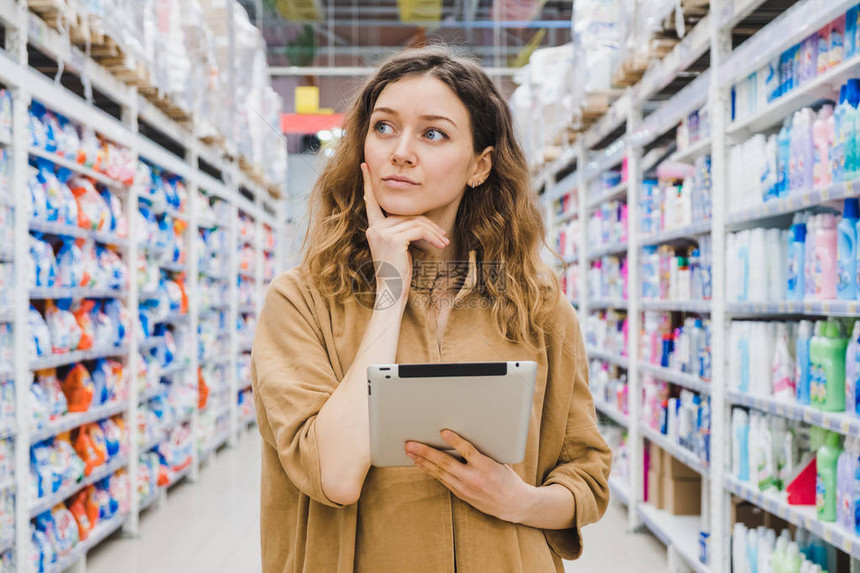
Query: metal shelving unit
x=24, y=30
x=647, y=123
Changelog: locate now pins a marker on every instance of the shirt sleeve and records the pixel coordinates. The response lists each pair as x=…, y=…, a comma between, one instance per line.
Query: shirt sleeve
x=584, y=461
x=292, y=378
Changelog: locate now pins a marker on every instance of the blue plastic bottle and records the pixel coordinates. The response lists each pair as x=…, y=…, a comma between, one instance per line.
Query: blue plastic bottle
x=796, y=251
x=783, y=158
x=804, y=336
x=846, y=261
x=838, y=152
x=852, y=99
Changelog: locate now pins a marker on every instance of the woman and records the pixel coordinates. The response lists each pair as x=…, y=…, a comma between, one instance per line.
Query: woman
x=428, y=184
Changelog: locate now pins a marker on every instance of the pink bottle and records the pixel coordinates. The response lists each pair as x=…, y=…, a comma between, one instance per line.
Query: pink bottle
x=823, y=136
x=825, y=258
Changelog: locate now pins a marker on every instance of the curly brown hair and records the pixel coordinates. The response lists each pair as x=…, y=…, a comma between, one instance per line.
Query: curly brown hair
x=499, y=219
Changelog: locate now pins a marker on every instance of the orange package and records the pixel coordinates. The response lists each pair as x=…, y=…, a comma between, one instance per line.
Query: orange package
x=203, y=389
x=78, y=388
x=90, y=451
x=183, y=305
x=84, y=317
x=79, y=509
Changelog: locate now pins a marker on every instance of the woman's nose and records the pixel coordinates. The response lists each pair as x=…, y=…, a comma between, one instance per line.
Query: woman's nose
x=403, y=152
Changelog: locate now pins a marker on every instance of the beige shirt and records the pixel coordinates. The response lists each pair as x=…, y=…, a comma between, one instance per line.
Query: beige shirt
x=405, y=520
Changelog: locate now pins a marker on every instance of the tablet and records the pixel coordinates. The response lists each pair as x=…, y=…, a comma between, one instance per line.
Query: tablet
x=487, y=403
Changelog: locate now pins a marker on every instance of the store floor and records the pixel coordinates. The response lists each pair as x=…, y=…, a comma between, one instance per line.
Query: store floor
x=213, y=526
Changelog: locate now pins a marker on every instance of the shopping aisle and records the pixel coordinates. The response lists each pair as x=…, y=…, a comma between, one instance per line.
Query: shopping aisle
x=211, y=526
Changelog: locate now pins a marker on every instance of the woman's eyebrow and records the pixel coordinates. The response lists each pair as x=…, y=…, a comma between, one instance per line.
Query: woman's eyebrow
x=390, y=111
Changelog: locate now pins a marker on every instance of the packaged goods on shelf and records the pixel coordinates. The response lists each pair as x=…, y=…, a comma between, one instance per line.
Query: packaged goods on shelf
x=760, y=257
x=683, y=416
x=567, y=244
x=570, y=282
x=695, y=127
x=681, y=198
x=683, y=347
x=616, y=439
x=246, y=406
x=175, y=452
x=797, y=66
x=607, y=278
x=607, y=331
x=608, y=224
x=806, y=553
x=243, y=369
x=667, y=275
x=213, y=344
x=246, y=326
x=6, y=346
x=5, y=115
x=608, y=385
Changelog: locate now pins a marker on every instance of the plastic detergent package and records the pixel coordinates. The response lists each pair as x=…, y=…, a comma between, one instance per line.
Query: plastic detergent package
x=7, y=282
x=7, y=401
x=67, y=530
x=112, y=269
x=71, y=140
x=69, y=208
x=70, y=264
x=147, y=226
x=92, y=275
x=38, y=131
x=88, y=452
x=112, y=436
x=104, y=382
x=117, y=221
x=53, y=130
x=43, y=268
x=121, y=319
x=89, y=147
x=53, y=394
x=40, y=335
x=146, y=320
x=83, y=313
x=105, y=330
x=66, y=462
x=38, y=196
x=78, y=507
x=54, y=196
x=7, y=225
x=93, y=213
x=42, y=550
x=101, y=500
x=174, y=295
x=39, y=407
x=64, y=329
x=78, y=388
x=41, y=463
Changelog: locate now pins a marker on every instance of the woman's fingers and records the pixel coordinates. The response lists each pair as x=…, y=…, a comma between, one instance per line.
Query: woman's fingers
x=374, y=212
x=416, y=229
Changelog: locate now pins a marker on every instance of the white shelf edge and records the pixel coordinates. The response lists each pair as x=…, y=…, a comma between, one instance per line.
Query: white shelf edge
x=46, y=293
x=847, y=308
x=618, y=488
x=694, y=230
x=57, y=360
x=804, y=516
x=667, y=529
x=616, y=192
x=691, y=153
x=604, y=303
x=598, y=354
x=839, y=422
x=689, y=381
x=77, y=419
x=693, y=306
x=797, y=201
x=61, y=161
x=44, y=504
x=683, y=455
x=616, y=415
x=99, y=533
x=608, y=250
x=63, y=230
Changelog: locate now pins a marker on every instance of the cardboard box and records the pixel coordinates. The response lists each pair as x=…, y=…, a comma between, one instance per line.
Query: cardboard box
x=675, y=469
x=655, y=458
x=747, y=513
x=656, y=489
x=682, y=496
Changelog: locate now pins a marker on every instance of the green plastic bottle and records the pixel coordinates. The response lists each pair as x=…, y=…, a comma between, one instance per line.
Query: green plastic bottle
x=827, y=376
x=825, y=482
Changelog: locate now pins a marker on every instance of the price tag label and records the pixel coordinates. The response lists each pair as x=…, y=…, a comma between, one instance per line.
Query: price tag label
x=806, y=200
x=825, y=194
x=828, y=535
x=849, y=188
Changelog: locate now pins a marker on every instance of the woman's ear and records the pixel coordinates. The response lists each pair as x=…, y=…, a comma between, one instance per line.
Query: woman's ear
x=483, y=165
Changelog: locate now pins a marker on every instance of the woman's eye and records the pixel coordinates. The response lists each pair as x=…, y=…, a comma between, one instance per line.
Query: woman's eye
x=435, y=134
x=383, y=128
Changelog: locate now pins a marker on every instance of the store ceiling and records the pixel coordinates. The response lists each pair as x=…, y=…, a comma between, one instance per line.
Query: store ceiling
x=353, y=33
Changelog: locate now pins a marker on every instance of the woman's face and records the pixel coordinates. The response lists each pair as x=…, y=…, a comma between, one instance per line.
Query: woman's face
x=419, y=150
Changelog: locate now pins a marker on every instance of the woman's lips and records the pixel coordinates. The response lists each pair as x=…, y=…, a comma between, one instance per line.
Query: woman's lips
x=399, y=183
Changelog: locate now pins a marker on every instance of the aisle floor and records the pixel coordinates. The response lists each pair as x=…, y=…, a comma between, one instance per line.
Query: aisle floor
x=213, y=526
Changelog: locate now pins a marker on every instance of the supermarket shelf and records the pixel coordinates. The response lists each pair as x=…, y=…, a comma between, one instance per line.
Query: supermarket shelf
x=246, y=347
x=7, y=545
x=247, y=308
x=571, y=259
x=614, y=413
x=773, y=114
x=43, y=293
x=680, y=532
x=798, y=201
x=160, y=436
x=811, y=308
x=248, y=420
x=683, y=455
x=7, y=432
x=150, y=342
x=697, y=306
x=61, y=161
x=6, y=255
x=74, y=420
x=217, y=442
x=7, y=315
x=215, y=361
x=44, y=504
x=617, y=192
x=607, y=250
x=5, y=139
x=839, y=422
x=247, y=275
x=62, y=230
x=213, y=276
x=564, y=217
x=214, y=309
x=173, y=317
x=603, y=303
x=174, y=369
x=689, y=231
x=693, y=152
x=688, y=381
x=619, y=490
x=801, y=516
x=150, y=393
x=612, y=120
x=99, y=533
x=56, y=360
x=178, y=476
x=172, y=267
x=596, y=353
